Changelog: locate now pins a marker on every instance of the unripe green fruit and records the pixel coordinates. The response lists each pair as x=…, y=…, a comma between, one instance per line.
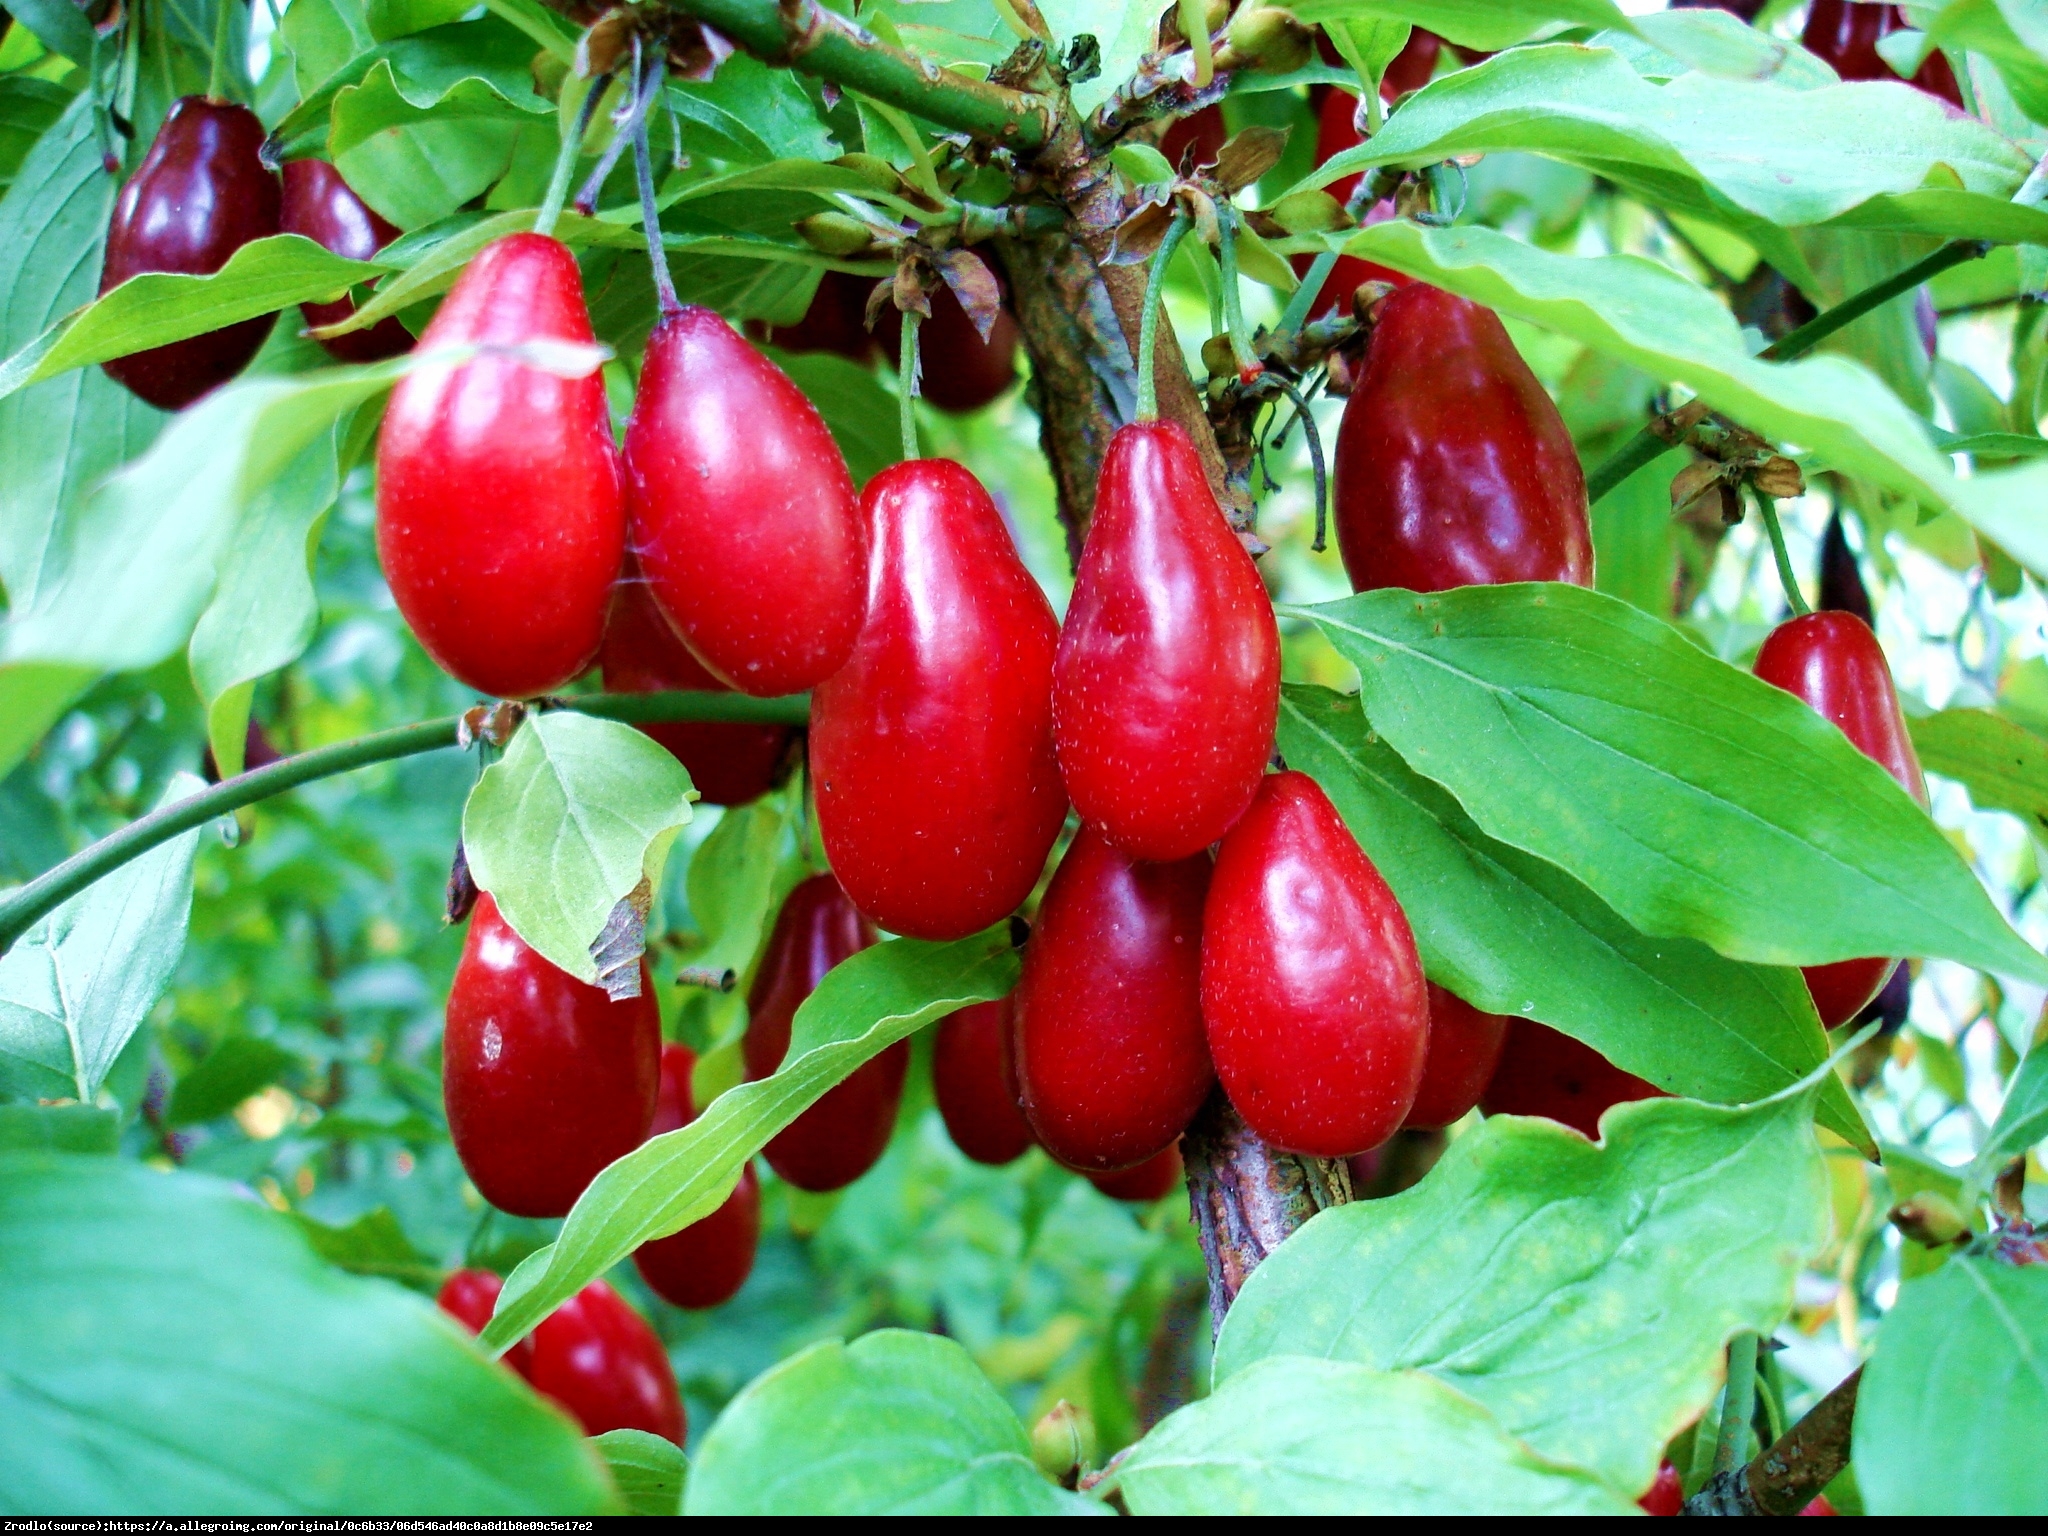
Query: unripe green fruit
x=1268, y=39
x=835, y=234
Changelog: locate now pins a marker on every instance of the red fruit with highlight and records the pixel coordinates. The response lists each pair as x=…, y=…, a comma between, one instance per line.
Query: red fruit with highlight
x=1666, y=1495
x=470, y=1296
x=931, y=749
x=600, y=1360
x=546, y=1079
x=1834, y=663
x=325, y=209
x=642, y=653
x=1312, y=992
x=845, y=1132
x=706, y=1263
x=1464, y=1049
x=1453, y=466
x=1111, y=1060
x=975, y=1083
x=959, y=371
x=1167, y=685
x=200, y=195
x=1846, y=35
x=1543, y=1072
x=743, y=515
x=500, y=522
x=1154, y=1179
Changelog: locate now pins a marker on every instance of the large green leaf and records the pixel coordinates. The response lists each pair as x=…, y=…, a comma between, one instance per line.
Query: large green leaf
x=1695, y=799
x=237, y=1067
x=2022, y=1119
x=417, y=163
x=736, y=882
x=76, y=985
x=261, y=278
x=1513, y=933
x=29, y=108
x=1953, y=1410
x=60, y=25
x=173, y=1344
x=578, y=813
x=649, y=1470
x=863, y=1005
x=2003, y=765
x=1583, y=1293
x=896, y=1423
x=1295, y=1436
x=750, y=113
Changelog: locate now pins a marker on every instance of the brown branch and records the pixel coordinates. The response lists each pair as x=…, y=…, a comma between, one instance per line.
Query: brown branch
x=1785, y=1478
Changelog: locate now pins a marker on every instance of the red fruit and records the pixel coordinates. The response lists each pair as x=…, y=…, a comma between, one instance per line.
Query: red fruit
x=931, y=749
x=1453, y=466
x=1846, y=36
x=840, y=1137
x=975, y=1082
x=1167, y=685
x=1154, y=1179
x=1412, y=67
x=321, y=206
x=961, y=372
x=1312, y=993
x=706, y=1263
x=1820, y=1506
x=1111, y=1062
x=1834, y=663
x=1203, y=132
x=546, y=1079
x=1464, y=1048
x=1336, y=133
x=642, y=653
x=743, y=514
x=836, y=320
x=598, y=1358
x=1665, y=1496
x=1542, y=1072
x=500, y=521
x=470, y=1296
x=200, y=195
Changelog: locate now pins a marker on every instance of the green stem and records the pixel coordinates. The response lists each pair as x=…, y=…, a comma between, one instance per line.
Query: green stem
x=1295, y=315
x=216, y=74
x=1738, y=1401
x=1787, y=577
x=1233, y=306
x=1148, y=325
x=650, y=212
x=566, y=157
x=803, y=35
x=906, y=382
x=1194, y=26
x=22, y=907
x=1646, y=445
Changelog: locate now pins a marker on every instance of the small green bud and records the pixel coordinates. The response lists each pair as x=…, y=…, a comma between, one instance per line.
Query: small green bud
x=1268, y=39
x=872, y=169
x=1063, y=1442
x=835, y=234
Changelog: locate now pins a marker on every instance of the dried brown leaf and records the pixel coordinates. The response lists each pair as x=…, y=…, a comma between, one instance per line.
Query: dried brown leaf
x=1249, y=155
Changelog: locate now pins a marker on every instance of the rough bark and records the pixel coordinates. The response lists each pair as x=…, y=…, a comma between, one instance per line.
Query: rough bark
x=1785, y=1478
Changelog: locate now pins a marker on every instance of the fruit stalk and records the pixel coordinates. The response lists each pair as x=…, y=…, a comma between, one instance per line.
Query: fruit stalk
x=22, y=907
x=650, y=214
x=1148, y=330
x=1767, y=507
x=565, y=160
x=906, y=383
x=217, y=71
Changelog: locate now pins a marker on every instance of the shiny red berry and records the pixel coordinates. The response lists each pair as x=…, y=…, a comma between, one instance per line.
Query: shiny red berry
x=600, y=1360
x=1464, y=1049
x=325, y=209
x=1543, y=1072
x=1154, y=1179
x=959, y=371
x=470, y=1296
x=1666, y=1495
x=975, y=1083
x=706, y=1263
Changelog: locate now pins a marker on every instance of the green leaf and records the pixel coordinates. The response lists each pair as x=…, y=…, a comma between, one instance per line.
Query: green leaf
x=1513, y=933
x=1293, y=1436
x=1126, y=32
x=323, y=36
x=239, y=1066
x=58, y=1128
x=1647, y=315
x=896, y=1423
x=29, y=107
x=372, y=1244
x=388, y=19
x=733, y=883
x=417, y=163
x=1369, y=46
x=649, y=1470
x=1953, y=1410
x=35, y=695
x=60, y=24
x=1485, y=24
x=577, y=814
x=1582, y=1293
x=749, y=113
x=1695, y=799
x=2008, y=32
x=864, y=1005
x=173, y=1344
x=2003, y=765
x=2022, y=1120
x=76, y=985
x=261, y=278
x=1717, y=42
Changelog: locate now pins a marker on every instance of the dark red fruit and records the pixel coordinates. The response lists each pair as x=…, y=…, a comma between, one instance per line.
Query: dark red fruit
x=840, y=1137
x=598, y=1358
x=961, y=372
x=321, y=206
x=470, y=1296
x=1167, y=685
x=1834, y=663
x=1410, y=69
x=1464, y=1048
x=1665, y=1496
x=1312, y=993
x=1747, y=10
x=642, y=653
x=1335, y=133
x=1819, y=1505
x=836, y=320
x=546, y=1080
x=1204, y=133
x=1111, y=1060
x=706, y=1263
x=1154, y=1179
x=743, y=514
x=1453, y=466
x=1542, y=1072
x=931, y=749
x=975, y=1082
x=1841, y=582
x=1846, y=34
x=500, y=520
x=200, y=195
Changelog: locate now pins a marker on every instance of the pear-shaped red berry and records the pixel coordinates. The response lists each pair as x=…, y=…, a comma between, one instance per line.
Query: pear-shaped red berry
x=706, y=1263
x=325, y=209
x=1464, y=1049
x=974, y=1081
x=1544, y=1072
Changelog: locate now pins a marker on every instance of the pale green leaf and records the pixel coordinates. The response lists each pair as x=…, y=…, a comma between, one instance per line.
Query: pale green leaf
x=237, y=1067
x=2022, y=1120
x=735, y=883
x=1482, y=24
x=649, y=1470
x=2003, y=765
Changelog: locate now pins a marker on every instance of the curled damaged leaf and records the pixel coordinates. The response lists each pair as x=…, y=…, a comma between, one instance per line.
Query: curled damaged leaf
x=491, y=723
x=605, y=45
x=623, y=940
x=462, y=893
x=973, y=285
x=1248, y=156
x=1138, y=237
